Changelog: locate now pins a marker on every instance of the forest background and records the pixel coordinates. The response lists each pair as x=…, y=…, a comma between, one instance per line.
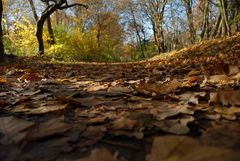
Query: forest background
x=112, y=31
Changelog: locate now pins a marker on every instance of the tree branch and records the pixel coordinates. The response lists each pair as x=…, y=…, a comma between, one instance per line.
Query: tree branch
x=72, y=5
x=48, y=7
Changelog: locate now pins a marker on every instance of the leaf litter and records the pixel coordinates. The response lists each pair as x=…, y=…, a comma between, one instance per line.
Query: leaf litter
x=182, y=107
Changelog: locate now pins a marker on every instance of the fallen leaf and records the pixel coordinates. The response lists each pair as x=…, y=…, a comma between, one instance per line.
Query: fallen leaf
x=102, y=155
x=236, y=77
x=233, y=69
x=224, y=134
x=123, y=123
x=91, y=136
x=31, y=93
x=165, y=110
x=14, y=129
x=53, y=127
x=97, y=87
x=84, y=101
x=218, y=79
x=214, y=116
x=192, y=97
x=3, y=103
x=105, y=77
x=41, y=109
x=181, y=148
x=46, y=150
x=228, y=111
x=191, y=81
x=2, y=80
x=157, y=88
x=194, y=73
x=120, y=89
x=175, y=126
x=226, y=97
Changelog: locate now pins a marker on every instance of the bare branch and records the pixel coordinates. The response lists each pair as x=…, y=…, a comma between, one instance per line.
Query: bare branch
x=73, y=5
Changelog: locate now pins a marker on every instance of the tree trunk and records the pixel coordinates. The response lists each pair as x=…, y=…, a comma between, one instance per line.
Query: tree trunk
x=188, y=5
x=205, y=32
x=40, y=24
x=33, y=10
x=156, y=11
x=141, y=45
x=50, y=30
x=45, y=15
x=39, y=35
x=225, y=24
x=1, y=33
x=173, y=37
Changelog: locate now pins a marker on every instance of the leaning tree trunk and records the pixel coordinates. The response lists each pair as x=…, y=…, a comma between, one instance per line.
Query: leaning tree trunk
x=50, y=30
x=225, y=24
x=40, y=24
x=45, y=15
x=216, y=26
x=1, y=32
x=205, y=24
x=39, y=35
x=34, y=12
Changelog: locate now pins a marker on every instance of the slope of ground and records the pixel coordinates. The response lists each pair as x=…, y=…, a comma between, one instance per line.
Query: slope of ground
x=179, y=107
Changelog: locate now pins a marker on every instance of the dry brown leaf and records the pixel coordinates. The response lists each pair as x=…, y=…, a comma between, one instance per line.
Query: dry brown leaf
x=55, y=126
x=228, y=111
x=191, y=97
x=13, y=129
x=84, y=101
x=91, y=136
x=236, y=77
x=102, y=155
x=2, y=80
x=181, y=148
x=190, y=81
x=3, y=103
x=164, y=111
x=227, y=97
x=194, y=73
x=95, y=88
x=233, y=69
x=123, y=123
x=43, y=108
x=222, y=134
x=157, y=88
x=218, y=79
x=177, y=126
x=105, y=78
x=120, y=89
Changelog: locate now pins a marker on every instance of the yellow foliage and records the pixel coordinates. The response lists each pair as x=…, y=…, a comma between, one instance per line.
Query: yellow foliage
x=22, y=39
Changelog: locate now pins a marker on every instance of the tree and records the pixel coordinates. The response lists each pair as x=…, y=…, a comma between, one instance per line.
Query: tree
x=234, y=14
x=224, y=17
x=33, y=10
x=205, y=23
x=188, y=7
x=1, y=32
x=51, y=8
x=155, y=10
x=136, y=23
x=51, y=41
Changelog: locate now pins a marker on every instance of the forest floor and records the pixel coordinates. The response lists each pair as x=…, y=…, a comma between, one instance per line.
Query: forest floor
x=177, y=107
